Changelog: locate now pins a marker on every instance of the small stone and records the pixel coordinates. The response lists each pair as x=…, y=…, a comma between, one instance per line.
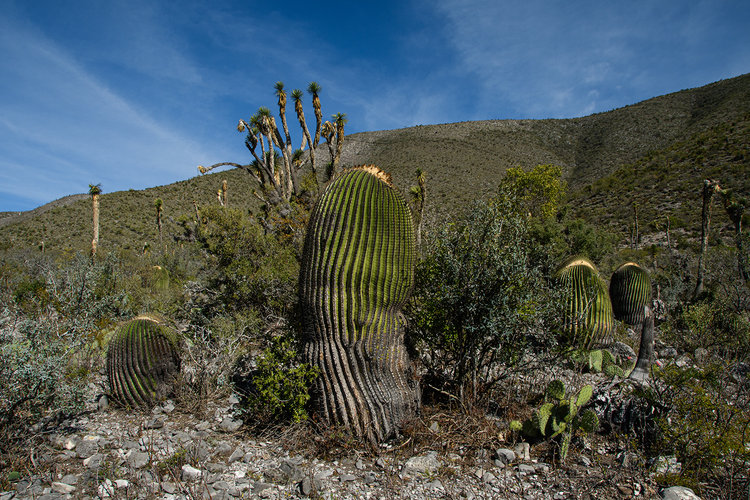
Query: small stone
x=106, y=489
x=435, y=427
x=504, y=455
x=625, y=489
x=103, y=403
x=345, y=478
x=522, y=451
x=423, y=464
x=359, y=464
x=489, y=477
x=585, y=461
x=260, y=486
x=679, y=493
x=237, y=454
x=168, y=406
x=190, y=473
x=137, y=459
x=369, y=477
x=154, y=423
x=233, y=400
x=122, y=484
x=380, y=462
x=70, y=443
x=65, y=489
x=94, y=461
x=230, y=425
x=526, y=469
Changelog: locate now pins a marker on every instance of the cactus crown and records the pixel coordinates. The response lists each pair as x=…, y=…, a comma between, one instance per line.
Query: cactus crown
x=630, y=290
x=588, y=316
x=142, y=362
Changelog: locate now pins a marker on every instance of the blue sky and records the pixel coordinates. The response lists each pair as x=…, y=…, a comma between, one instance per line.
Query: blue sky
x=137, y=94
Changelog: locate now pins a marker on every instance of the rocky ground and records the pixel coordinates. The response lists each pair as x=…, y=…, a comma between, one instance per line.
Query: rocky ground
x=170, y=454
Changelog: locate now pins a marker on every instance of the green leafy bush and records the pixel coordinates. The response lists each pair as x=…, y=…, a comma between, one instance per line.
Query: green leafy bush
x=278, y=388
x=246, y=268
x=704, y=421
x=478, y=303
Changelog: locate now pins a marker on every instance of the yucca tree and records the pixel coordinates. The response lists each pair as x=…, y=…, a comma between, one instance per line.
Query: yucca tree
x=418, y=196
x=158, y=204
x=279, y=180
x=314, y=89
x=95, y=190
x=306, y=138
x=286, y=143
x=710, y=187
x=735, y=208
x=339, y=120
x=328, y=131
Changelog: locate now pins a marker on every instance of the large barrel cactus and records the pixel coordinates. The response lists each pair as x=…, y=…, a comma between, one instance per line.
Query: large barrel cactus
x=357, y=272
x=588, y=312
x=630, y=291
x=142, y=363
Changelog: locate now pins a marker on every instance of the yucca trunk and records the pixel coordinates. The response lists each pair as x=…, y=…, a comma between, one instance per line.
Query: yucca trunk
x=357, y=272
x=710, y=187
x=95, y=239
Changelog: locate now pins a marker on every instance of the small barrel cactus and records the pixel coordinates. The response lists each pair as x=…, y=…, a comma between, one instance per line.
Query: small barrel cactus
x=142, y=363
x=630, y=291
x=588, y=313
x=357, y=272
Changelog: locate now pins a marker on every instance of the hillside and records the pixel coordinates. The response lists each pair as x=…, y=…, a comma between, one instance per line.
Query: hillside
x=656, y=152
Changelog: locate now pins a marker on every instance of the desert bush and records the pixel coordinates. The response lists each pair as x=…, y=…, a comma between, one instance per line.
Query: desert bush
x=49, y=339
x=245, y=267
x=704, y=420
x=277, y=389
x=478, y=304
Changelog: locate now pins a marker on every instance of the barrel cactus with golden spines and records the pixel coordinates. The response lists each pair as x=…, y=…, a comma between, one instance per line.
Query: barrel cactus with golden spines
x=588, y=312
x=142, y=363
x=630, y=291
x=356, y=274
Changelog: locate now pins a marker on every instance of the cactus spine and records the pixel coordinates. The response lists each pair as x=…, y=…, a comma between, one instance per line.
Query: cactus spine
x=142, y=363
x=630, y=291
x=357, y=271
x=588, y=314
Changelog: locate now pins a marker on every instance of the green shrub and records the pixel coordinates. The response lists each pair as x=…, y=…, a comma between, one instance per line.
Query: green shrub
x=279, y=386
x=478, y=303
x=245, y=268
x=704, y=421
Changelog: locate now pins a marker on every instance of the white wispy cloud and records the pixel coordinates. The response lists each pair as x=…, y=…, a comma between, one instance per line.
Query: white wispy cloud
x=62, y=128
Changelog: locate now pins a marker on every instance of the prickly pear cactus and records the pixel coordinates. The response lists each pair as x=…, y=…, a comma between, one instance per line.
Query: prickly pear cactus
x=630, y=291
x=357, y=272
x=142, y=363
x=588, y=317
